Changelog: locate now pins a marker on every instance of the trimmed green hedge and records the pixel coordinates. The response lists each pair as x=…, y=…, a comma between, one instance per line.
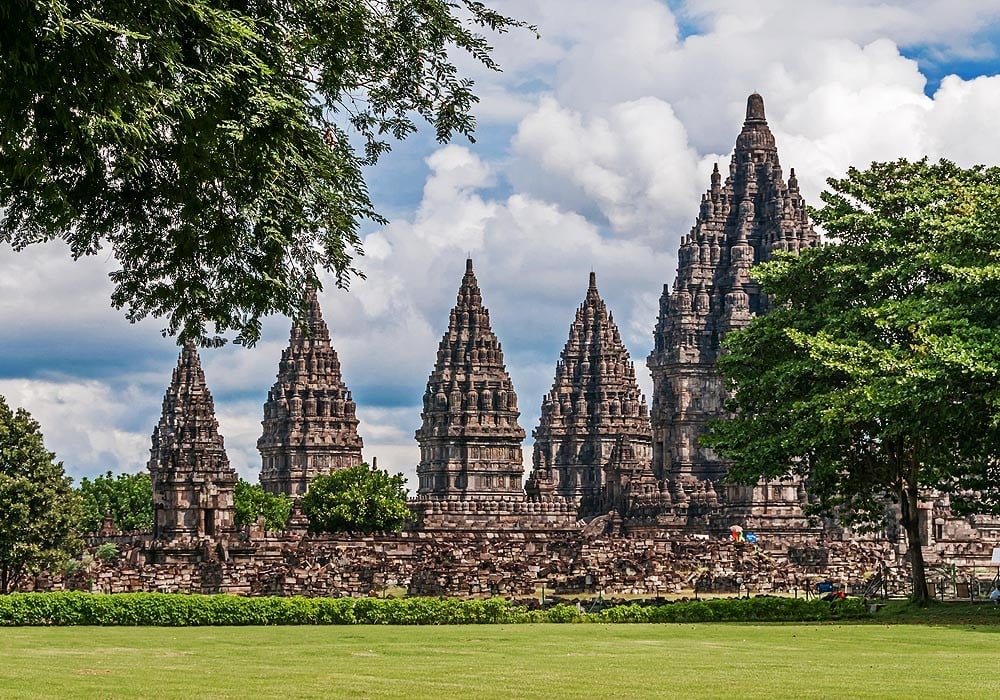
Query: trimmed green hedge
x=178, y=610
x=740, y=610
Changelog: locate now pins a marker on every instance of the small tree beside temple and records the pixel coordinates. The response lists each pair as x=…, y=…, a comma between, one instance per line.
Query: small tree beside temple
x=128, y=498
x=252, y=501
x=358, y=499
x=39, y=510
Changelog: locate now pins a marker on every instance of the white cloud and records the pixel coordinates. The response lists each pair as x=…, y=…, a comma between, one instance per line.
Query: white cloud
x=80, y=422
x=631, y=166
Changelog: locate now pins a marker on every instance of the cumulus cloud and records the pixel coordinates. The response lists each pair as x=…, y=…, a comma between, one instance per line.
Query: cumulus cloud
x=631, y=167
x=83, y=422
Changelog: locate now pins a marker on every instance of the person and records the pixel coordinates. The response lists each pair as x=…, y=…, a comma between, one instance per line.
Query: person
x=995, y=595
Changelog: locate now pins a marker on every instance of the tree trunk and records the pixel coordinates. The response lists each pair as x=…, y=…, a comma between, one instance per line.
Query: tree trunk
x=911, y=523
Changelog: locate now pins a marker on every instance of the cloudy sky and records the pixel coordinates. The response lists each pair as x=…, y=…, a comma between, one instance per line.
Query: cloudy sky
x=593, y=148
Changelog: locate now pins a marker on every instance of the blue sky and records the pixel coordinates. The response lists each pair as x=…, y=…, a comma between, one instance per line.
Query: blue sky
x=593, y=148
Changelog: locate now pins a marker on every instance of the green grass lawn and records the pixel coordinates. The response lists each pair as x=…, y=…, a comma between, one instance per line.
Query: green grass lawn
x=503, y=661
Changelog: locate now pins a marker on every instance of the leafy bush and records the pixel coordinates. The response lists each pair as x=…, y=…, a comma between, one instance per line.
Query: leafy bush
x=107, y=552
x=128, y=497
x=252, y=501
x=177, y=610
x=358, y=499
x=563, y=613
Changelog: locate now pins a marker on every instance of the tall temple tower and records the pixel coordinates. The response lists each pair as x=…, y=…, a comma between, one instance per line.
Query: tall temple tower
x=742, y=221
x=594, y=404
x=470, y=441
x=193, y=484
x=310, y=425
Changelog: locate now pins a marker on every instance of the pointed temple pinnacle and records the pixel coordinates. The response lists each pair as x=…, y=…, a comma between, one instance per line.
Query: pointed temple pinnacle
x=189, y=354
x=190, y=471
x=755, y=108
x=745, y=219
x=468, y=264
x=594, y=397
x=314, y=315
x=309, y=397
x=470, y=441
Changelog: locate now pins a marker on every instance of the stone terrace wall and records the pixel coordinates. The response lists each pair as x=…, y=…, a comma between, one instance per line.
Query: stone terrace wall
x=481, y=564
x=507, y=514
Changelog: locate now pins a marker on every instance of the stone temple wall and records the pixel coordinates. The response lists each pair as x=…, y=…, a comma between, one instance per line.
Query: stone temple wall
x=464, y=564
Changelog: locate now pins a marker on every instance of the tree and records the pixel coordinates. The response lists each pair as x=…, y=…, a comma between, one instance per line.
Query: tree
x=358, y=499
x=252, y=502
x=38, y=508
x=128, y=497
x=876, y=376
x=212, y=145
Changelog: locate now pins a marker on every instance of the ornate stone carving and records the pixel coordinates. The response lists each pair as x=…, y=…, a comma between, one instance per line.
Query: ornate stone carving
x=310, y=424
x=470, y=440
x=594, y=402
x=748, y=217
x=193, y=484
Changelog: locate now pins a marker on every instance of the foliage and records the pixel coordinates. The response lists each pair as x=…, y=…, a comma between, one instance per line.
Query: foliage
x=875, y=376
x=38, y=507
x=107, y=552
x=128, y=497
x=252, y=502
x=180, y=610
x=358, y=499
x=211, y=145
x=764, y=609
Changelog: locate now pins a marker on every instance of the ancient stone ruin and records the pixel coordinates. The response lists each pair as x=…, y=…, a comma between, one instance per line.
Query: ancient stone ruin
x=594, y=405
x=310, y=426
x=470, y=441
x=193, y=483
x=618, y=499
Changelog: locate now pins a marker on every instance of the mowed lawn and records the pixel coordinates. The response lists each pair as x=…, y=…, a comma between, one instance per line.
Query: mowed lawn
x=503, y=661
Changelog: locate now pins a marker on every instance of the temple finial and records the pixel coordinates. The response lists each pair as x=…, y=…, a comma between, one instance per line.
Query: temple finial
x=468, y=264
x=755, y=108
x=593, y=280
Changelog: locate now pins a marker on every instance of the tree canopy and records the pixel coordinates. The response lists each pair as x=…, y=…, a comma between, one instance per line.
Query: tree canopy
x=39, y=511
x=127, y=497
x=252, y=502
x=217, y=147
x=358, y=499
x=876, y=376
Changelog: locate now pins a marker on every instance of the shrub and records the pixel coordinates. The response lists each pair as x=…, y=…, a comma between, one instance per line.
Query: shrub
x=107, y=552
x=176, y=610
x=358, y=499
x=252, y=501
x=127, y=497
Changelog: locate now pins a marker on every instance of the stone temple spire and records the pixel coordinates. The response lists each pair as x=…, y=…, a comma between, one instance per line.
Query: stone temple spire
x=470, y=441
x=310, y=425
x=741, y=222
x=594, y=402
x=193, y=484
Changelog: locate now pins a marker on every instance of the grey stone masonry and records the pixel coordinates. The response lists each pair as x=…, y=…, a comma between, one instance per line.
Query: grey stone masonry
x=310, y=424
x=594, y=403
x=193, y=484
x=742, y=221
x=470, y=440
